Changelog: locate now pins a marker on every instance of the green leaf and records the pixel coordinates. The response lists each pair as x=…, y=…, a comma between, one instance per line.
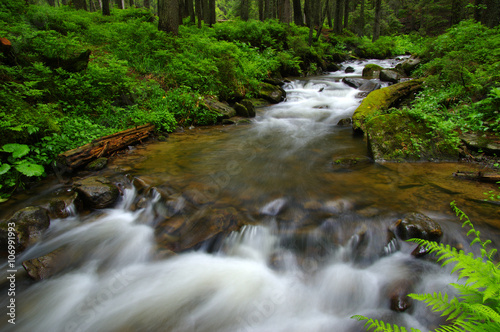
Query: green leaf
x=30, y=169
x=17, y=150
x=4, y=168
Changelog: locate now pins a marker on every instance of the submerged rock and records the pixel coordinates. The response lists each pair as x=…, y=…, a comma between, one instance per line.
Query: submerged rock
x=344, y=122
x=419, y=226
x=24, y=227
x=97, y=192
x=351, y=161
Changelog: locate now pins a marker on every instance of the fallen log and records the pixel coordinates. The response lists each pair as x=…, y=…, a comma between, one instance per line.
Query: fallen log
x=103, y=147
x=478, y=176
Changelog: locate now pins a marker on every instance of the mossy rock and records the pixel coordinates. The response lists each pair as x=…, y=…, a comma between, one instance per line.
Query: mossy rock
x=371, y=71
x=272, y=93
x=97, y=164
x=385, y=98
x=399, y=137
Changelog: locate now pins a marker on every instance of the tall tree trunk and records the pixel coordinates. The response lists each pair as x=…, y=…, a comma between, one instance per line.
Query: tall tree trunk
x=339, y=13
x=206, y=11
x=376, y=23
x=190, y=8
x=478, y=10
x=329, y=13
x=211, y=12
x=92, y=6
x=362, y=19
x=268, y=10
x=492, y=15
x=260, y=4
x=100, y=4
x=64, y=2
x=284, y=11
x=298, y=18
x=80, y=4
x=308, y=11
x=346, y=14
x=120, y=4
x=244, y=9
x=199, y=12
x=147, y=4
x=168, y=14
x=131, y=3
x=105, y=8
x=51, y=3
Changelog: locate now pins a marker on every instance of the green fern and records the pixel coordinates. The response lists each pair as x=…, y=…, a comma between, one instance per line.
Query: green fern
x=477, y=306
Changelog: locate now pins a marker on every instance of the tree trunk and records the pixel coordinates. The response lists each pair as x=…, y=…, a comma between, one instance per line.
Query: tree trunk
x=147, y=4
x=65, y=2
x=119, y=3
x=244, y=10
x=339, y=13
x=80, y=4
x=199, y=12
x=329, y=13
x=104, y=146
x=206, y=11
x=478, y=10
x=131, y=3
x=260, y=4
x=168, y=14
x=346, y=14
x=284, y=11
x=362, y=19
x=298, y=18
x=51, y=3
x=190, y=8
x=376, y=23
x=492, y=15
x=105, y=8
x=211, y=15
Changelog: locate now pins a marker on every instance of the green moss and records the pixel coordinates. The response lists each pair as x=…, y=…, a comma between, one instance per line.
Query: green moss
x=400, y=137
x=370, y=69
x=383, y=99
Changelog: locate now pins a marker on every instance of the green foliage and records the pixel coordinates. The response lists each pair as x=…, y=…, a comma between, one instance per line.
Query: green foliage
x=477, y=306
x=15, y=165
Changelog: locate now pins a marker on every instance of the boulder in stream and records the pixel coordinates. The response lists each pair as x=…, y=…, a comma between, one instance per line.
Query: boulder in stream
x=224, y=110
x=389, y=75
x=97, y=165
x=97, y=192
x=409, y=65
x=272, y=93
x=24, y=227
x=418, y=225
x=354, y=82
x=371, y=71
x=43, y=267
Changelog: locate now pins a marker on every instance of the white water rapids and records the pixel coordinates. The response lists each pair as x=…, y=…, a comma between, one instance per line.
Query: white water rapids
x=262, y=278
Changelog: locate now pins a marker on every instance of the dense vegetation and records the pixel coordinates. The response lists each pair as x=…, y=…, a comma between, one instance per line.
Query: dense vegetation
x=138, y=74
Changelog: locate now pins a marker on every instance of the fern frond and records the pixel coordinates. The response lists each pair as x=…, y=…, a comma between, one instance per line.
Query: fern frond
x=442, y=303
x=380, y=326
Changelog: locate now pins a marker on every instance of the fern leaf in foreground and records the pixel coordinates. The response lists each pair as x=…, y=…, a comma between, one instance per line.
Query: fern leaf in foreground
x=380, y=326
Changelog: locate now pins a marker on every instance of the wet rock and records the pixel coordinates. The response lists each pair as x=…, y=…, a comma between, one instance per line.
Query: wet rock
x=418, y=225
x=97, y=192
x=338, y=206
x=43, y=267
x=228, y=121
x=420, y=251
x=61, y=205
x=274, y=81
x=371, y=71
x=388, y=75
x=476, y=142
x=97, y=164
x=24, y=227
x=351, y=162
x=331, y=66
x=241, y=110
x=182, y=232
x=274, y=208
x=249, y=106
x=344, y=122
x=225, y=111
x=398, y=295
x=349, y=70
x=408, y=66
x=370, y=86
x=353, y=82
x=272, y=93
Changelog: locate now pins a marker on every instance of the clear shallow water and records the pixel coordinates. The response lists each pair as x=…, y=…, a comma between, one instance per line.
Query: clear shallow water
x=309, y=246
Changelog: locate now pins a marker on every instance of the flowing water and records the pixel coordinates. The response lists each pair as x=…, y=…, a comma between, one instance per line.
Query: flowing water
x=307, y=242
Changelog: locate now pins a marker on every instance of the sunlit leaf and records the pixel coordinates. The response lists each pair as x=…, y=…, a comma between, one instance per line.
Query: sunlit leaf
x=29, y=169
x=17, y=150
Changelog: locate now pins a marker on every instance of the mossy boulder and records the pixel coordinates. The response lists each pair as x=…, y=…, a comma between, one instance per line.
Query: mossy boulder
x=245, y=108
x=371, y=71
x=385, y=98
x=399, y=137
x=97, y=164
x=389, y=75
x=224, y=110
x=272, y=93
